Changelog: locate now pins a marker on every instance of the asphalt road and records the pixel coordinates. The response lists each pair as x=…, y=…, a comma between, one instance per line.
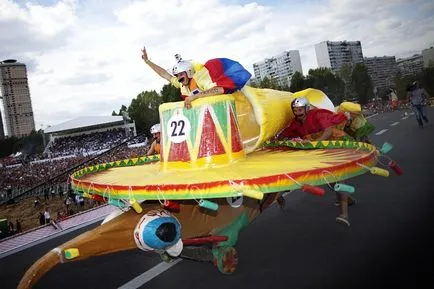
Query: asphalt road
x=389, y=243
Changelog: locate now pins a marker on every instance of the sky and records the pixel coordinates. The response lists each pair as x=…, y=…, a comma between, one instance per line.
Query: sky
x=84, y=56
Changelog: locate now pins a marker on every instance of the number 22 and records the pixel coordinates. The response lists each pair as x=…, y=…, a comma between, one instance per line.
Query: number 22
x=175, y=125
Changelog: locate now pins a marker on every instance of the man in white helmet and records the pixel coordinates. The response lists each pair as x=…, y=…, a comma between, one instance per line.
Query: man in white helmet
x=155, y=146
x=311, y=124
x=215, y=77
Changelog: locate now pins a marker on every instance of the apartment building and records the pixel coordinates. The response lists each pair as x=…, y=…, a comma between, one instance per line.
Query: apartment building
x=382, y=71
x=335, y=54
x=410, y=65
x=280, y=67
x=16, y=98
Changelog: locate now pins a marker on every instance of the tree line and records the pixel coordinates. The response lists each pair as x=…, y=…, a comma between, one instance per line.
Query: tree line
x=351, y=83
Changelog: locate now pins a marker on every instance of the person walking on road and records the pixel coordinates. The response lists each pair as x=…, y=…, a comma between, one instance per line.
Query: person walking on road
x=417, y=97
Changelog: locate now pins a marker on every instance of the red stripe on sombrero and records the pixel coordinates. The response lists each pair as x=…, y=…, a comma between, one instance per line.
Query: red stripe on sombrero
x=210, y=143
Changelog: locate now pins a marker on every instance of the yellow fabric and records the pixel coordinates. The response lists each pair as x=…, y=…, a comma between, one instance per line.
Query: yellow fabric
x=271, y=113
x=355, y=111
x=201, y=77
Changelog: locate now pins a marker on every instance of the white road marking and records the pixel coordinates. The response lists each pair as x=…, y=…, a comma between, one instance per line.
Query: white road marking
x=372, y=115
x=147, y=276
x=382, y=131
x=405, y=117
x=395, y=123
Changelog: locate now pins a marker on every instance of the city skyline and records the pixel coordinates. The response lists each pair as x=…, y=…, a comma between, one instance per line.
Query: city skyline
x=83, y=58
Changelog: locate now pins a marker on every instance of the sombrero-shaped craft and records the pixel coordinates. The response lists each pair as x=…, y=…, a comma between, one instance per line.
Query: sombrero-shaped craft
x=217, y=170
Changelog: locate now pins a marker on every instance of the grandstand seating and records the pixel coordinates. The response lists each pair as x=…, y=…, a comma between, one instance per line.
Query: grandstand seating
x=85, y=144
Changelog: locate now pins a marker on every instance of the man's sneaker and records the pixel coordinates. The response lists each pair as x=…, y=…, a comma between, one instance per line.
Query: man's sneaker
x=343, y=220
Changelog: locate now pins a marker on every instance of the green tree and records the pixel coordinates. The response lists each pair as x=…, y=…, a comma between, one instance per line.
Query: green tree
x=361, y=84
x=298, y=82
x=253, y=82
x=122, y=109
x=144, y=110
x=325, y=80
x=269, y=83
x=169, y=93
x=426, y=79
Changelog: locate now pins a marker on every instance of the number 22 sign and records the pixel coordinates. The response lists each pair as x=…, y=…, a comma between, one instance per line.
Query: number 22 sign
x=178, y=128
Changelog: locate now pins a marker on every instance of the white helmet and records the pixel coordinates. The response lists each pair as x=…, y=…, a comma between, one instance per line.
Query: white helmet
x=300, y=102
x=182, y=66
x=155, y=128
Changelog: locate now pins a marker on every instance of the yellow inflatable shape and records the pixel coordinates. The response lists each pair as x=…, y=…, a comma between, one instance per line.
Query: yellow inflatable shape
x=271, y=113
x=350, y=107
x=317, y=98
x=262, y=113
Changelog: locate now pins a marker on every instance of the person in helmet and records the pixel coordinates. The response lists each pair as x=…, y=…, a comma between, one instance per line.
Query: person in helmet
x=215, y=77
x=314, y=124
x=155, y=146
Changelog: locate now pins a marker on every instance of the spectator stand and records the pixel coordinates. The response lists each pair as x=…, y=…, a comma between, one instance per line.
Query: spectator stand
x=87, y=134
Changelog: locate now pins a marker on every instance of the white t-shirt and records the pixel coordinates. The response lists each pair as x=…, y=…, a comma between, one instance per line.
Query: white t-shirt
x=46, y=215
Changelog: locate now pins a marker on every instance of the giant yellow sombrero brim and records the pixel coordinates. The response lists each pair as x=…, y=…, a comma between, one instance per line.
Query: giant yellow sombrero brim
x=268, y=170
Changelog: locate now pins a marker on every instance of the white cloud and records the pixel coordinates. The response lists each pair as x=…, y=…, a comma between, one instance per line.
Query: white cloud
x=85, y=55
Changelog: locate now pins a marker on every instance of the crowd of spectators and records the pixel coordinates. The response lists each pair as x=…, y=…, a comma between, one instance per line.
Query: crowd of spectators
x=27, y=175
x=85, y=143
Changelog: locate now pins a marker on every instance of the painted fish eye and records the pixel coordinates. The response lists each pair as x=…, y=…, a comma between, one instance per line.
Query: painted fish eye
x=157, y=230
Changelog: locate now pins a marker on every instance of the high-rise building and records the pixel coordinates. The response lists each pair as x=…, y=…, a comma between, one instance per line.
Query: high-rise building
x=382, y=71
x=334, y=54
x=410, y=65
x=428, y=57
x=16, y=98
x=280, y=67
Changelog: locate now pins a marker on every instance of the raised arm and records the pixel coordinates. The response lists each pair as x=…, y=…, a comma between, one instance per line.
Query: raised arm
x=158, y=69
